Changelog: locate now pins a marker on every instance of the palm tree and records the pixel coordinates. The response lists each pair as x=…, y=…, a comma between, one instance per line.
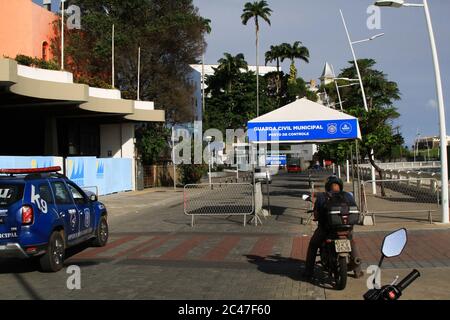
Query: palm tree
x=292, y=52
x=256, y=10
x=275, y=54
x=230, y=66
x=206, y=28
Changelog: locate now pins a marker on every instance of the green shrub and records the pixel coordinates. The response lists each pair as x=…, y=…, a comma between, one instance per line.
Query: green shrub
x=94, y=82
x=49, y=65
x=36, y=62
x=191, y=173
x=24, y=60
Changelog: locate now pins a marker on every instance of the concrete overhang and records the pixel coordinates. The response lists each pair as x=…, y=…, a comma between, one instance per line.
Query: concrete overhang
x=145, y=111
x=49, y=90
x=147, y=115
x=8, y=72
x=108, y=105
x=58, y=86
x=41, y=84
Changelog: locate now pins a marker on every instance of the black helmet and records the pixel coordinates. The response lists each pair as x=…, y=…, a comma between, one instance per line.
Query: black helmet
x=331, y=180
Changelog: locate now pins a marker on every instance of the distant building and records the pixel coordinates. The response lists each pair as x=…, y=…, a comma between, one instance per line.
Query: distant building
x=25, y=28
x=327, y=76
x=424, y=143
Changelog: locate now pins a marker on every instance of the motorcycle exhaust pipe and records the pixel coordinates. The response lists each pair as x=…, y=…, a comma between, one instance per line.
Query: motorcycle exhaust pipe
x=357, y=261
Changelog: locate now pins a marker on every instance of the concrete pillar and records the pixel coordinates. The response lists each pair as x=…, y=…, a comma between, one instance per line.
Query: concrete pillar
x=51, y=137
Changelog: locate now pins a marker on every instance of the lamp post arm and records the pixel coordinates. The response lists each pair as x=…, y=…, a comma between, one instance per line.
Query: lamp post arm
x=356, y=62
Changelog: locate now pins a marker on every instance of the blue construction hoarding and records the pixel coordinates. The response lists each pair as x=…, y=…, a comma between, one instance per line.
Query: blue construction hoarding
x=109, y=175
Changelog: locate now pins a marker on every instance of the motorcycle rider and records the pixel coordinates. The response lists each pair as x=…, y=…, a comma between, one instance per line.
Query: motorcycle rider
x=332, y=185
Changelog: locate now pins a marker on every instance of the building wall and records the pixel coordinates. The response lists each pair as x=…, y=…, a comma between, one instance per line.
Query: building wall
x=24, y=27
x=117, y=141
x=305, y=151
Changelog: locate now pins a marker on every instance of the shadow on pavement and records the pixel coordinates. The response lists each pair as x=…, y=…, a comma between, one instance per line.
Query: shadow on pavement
x=18, y=266
x=292, y=268
x=279, y=265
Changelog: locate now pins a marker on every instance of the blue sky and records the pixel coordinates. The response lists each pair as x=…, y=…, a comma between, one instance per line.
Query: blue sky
x=404, y=52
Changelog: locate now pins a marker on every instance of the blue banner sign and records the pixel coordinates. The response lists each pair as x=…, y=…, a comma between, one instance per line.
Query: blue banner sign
x=278, y=160
x=303, y=131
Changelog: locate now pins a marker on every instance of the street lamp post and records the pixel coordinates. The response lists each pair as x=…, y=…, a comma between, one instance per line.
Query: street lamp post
x=209, y=139
x=374, y=187
x=416, y=146
x=440, y=96
x=173, y=160
x=62, y=34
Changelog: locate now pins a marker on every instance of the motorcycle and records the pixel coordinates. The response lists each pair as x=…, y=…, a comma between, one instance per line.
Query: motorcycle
x=335, y=251
x=393, y=245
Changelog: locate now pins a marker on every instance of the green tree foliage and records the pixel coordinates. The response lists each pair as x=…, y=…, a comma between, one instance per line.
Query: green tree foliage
x=377, y=124
x=256, y=10
x=275, y=53
x=192, y=173
x=229, y=68
x=292, y=52
x=232, y=109
x=169, y=32
x=152, y=142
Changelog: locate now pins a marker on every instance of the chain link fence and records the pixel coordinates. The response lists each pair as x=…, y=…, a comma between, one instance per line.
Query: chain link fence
x=410, y=199
x=226, y=199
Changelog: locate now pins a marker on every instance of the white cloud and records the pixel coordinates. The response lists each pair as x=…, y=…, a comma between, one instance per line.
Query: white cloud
x=432, y=104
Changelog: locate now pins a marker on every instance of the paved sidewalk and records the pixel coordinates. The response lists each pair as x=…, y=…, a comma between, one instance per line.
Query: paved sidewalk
x=119, y=204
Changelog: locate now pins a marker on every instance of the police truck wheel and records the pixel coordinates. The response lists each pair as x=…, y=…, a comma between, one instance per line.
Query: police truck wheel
x=53, y=259
x=102, y=234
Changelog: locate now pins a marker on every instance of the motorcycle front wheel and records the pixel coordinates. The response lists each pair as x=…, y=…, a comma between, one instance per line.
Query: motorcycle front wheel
x=340, y=276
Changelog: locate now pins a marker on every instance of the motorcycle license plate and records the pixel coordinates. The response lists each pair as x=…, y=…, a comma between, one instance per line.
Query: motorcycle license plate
x=342, y=246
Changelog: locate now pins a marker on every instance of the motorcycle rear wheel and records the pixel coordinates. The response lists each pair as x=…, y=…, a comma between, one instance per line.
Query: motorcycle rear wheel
x=340, y=275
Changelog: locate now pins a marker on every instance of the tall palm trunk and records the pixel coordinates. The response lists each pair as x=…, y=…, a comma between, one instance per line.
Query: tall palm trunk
x=257, y=67
x=293, y=72
x=203, y=84
x=278, y=76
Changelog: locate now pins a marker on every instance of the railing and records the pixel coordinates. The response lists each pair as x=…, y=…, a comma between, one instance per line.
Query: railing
x=406, y=197
x=405, y=165
x=431, y=180
x=229, y=199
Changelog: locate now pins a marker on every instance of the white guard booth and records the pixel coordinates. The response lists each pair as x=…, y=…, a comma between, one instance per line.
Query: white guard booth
x=302, y=121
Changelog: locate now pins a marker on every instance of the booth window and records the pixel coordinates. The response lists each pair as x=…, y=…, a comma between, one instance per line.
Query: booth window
x=45, y=51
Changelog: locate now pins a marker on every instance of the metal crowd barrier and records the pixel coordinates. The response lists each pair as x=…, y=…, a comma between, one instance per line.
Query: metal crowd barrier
x=225, y=199
x=400, y=196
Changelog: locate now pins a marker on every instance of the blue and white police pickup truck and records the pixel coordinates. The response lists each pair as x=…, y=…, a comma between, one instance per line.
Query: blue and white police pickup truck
x=42, y=213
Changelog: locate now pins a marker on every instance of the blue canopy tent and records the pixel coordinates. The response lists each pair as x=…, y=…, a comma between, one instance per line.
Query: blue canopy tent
x=301, y=122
